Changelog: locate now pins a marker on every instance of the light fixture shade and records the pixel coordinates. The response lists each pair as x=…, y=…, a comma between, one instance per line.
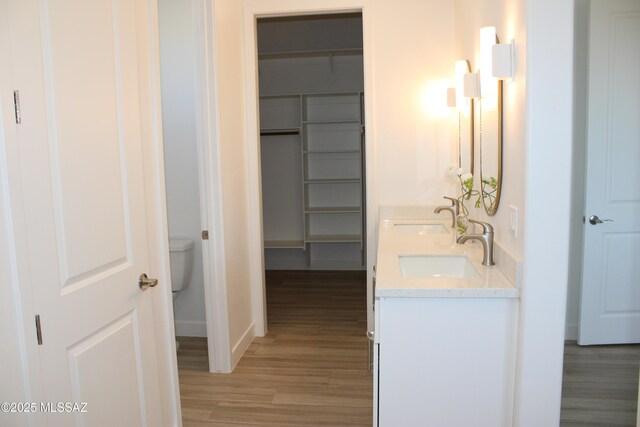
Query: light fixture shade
x=462, y=68
x=451, y=97
x=502, y=61
x=487, y=82
x=472, y=85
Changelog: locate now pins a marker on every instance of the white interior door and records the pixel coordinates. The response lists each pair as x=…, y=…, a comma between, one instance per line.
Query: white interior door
x=78, y=66
x=610, y=301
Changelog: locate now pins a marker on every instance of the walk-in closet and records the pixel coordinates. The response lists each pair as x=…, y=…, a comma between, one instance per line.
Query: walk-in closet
x=312, y=142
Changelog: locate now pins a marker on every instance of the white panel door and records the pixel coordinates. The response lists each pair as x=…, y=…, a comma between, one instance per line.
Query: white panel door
x=610, y=305
x=79, y=66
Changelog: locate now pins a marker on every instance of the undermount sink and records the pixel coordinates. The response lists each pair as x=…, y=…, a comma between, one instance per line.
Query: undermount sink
x=431, y=266
x=421, y=229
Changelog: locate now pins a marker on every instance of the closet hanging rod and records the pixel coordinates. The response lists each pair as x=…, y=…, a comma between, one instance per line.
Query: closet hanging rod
x=310, y=53
x=279, y=132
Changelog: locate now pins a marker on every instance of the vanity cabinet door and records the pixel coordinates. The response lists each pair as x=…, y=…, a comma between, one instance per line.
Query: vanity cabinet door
x=446, y=361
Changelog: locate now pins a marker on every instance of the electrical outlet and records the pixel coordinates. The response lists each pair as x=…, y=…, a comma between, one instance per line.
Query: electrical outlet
x=513, y=220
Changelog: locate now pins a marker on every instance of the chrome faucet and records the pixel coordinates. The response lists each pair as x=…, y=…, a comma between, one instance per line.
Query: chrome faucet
x=454, y=209
x=486, y=238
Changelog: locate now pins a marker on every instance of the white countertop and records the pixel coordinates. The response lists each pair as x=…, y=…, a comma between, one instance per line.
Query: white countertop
x=393, y=243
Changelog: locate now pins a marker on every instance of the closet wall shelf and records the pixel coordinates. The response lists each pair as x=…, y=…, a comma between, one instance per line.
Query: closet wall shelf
x=332, y=210
x=284, y=244
x=334, y=238
x=332, y=181
x=330, y=146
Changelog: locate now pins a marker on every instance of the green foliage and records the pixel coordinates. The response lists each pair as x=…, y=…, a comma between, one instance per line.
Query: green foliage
x=489, y=189
x=491, y=182
x=466, y=187
x=462, y=227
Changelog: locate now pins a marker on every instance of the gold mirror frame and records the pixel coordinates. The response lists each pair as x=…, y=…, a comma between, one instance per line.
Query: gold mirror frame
x=465, y=109
x=489, y=189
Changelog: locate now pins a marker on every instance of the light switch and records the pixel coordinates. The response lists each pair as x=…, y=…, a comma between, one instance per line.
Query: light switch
x=513, y=220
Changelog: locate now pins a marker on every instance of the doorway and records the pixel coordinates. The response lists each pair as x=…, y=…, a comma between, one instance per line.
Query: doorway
x=590, y=319
x=312, y=149
x=192, y=159
x=252, y=13
x=599, y=187
x=183, y=183
x=312, y=146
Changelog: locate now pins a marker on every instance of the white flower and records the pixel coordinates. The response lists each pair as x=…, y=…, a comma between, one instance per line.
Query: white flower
x=451, y=171
x=454, y=171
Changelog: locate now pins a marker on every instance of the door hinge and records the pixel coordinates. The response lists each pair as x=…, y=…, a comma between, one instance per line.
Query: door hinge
x=370, y=340
x=16, y=106
x=38, y=329
x=205, y=234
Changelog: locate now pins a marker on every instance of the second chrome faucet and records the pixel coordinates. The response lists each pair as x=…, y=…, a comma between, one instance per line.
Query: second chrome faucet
x=486, y=238
x=454, y=209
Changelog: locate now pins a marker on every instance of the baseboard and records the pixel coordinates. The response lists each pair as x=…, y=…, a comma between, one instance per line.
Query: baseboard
x=242, y=345
x=191, y=328
x=571, y=332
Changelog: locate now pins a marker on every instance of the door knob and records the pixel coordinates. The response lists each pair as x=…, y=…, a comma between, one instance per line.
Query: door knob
x=593, y=220
x=145, y=282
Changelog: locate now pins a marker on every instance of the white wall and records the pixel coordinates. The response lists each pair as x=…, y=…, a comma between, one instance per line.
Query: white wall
x=548, y=162
x=508, y=16
x=413, y=60
x=580, y=91
x=180, y=152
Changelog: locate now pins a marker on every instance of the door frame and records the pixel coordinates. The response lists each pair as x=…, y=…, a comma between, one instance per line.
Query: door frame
x=20, y=306
x=582, y=87
x=254, y=9
x=210, y=187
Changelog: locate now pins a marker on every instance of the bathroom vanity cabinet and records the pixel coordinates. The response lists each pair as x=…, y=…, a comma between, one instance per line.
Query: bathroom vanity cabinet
x=444, y=361
x=445, y=337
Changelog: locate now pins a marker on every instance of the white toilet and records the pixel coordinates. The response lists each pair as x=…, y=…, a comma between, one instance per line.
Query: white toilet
x=181, y=259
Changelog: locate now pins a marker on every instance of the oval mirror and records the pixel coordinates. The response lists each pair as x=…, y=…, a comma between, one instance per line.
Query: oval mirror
x=465, y=113
x=490, y=112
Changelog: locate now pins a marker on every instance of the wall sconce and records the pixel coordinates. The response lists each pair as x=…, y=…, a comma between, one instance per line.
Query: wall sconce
x=472, y=85
x=502, y=61
x=488, y=39
x=461, y=68
x=451, y=97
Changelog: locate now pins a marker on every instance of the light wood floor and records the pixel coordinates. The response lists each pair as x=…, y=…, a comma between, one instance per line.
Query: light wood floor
x=310, y=369
x=600, y=385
